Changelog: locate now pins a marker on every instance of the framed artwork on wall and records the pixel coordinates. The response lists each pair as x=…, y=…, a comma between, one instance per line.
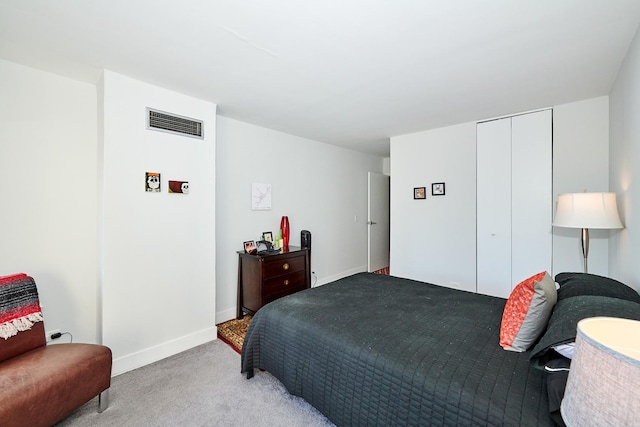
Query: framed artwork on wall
x=437, y=189
x=152, y=182
x=260, y=196
x=419, y=193
x=179, y=187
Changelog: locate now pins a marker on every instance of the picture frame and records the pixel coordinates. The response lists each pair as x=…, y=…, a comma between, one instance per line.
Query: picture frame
x=250, y=247
x=419, y=193
x=260, y=196
x=268, y=236
x=152, y=182
x=181, y=187
x=437, y=189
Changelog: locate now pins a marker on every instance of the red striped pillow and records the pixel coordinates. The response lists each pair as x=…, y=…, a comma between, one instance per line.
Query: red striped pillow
x=11, y=278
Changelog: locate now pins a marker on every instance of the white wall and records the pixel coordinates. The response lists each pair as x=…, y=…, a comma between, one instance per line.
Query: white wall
x=320, y=187
x=72, y=178
x=49, y=194
x=624, y=166
x=433, y=240
x=158, y=249
x=581, y=163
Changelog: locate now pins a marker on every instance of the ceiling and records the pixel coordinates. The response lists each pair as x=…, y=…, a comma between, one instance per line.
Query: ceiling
x=350, y=73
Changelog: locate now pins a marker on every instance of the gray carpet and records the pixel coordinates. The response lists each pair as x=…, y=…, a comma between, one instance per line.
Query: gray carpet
x=200, y=387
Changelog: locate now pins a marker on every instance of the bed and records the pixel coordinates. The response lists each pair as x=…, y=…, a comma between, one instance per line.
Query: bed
x=373, y=350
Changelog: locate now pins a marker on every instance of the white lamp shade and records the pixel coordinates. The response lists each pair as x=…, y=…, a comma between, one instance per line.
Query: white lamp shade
x=587, y=210
x=603, y=388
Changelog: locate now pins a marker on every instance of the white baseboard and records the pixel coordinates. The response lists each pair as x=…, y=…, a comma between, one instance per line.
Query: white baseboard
x=341, y=275
x=161, y=351
x=224, y=315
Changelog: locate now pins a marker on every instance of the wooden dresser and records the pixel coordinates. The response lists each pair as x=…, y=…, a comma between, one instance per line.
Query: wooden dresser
x=264, y=278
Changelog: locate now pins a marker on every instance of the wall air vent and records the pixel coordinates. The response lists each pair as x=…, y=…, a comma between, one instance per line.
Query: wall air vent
x=172, y=123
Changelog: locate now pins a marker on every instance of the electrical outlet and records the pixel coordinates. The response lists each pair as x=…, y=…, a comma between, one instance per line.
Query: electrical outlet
x=51, y=332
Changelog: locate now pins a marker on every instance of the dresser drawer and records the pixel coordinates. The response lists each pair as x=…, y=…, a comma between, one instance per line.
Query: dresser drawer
x=265, y=278
x=284, y=285
x=278, y=266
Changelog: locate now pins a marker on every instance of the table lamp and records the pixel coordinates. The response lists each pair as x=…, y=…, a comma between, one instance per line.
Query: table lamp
x=603, y=387
x=587, y=210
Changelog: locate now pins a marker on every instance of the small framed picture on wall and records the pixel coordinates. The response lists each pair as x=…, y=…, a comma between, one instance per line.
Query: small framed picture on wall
x=152, y=182
x=419, y=193
x=437, y=189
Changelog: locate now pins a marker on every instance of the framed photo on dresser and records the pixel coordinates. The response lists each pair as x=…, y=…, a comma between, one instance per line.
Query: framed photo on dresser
x=250, y=247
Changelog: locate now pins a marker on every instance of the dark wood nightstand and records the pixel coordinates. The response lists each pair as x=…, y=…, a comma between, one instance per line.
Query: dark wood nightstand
x=265, y=278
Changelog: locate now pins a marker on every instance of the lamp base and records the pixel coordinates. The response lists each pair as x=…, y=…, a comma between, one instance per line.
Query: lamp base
x=585, y=247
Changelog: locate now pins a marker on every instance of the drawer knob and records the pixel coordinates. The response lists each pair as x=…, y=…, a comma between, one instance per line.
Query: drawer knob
x=285, y=266
x=286, y=282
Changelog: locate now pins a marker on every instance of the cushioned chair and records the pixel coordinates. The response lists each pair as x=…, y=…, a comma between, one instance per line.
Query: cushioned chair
x=41, y=384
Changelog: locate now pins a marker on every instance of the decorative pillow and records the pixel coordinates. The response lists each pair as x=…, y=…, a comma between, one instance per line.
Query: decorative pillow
x=568, y=312
x=527, y=311
x=574, y=284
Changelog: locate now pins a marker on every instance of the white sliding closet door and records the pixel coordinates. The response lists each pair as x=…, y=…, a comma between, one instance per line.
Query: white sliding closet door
x=514, y=201
x=532, y=198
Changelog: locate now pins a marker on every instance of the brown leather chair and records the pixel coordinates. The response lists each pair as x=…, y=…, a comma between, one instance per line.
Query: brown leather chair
x=41, y=384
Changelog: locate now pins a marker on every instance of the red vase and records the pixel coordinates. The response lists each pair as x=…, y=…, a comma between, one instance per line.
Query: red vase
x=284, y=226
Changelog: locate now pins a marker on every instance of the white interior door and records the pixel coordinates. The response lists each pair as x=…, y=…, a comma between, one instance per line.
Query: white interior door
x=378, y=222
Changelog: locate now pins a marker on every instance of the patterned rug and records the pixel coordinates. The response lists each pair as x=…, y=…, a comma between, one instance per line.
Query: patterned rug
x=382, y=271
x=233, y=331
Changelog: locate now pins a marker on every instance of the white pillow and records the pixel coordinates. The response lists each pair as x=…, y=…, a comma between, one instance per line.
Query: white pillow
x=565, y=350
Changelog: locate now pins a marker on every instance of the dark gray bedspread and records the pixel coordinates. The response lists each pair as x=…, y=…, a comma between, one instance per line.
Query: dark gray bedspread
x=371, y=350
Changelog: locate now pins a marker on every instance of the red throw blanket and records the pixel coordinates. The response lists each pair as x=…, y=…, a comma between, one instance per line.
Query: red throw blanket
x=19, y=304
